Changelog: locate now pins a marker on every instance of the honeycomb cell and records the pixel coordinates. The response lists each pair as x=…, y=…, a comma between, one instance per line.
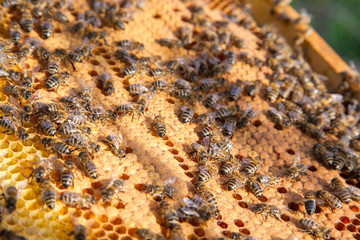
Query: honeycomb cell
x=243, y=204
x=132, y=232
x=113, y=236
x=116, y=221
x=94, y=62
x=89, y=215
x=285, y=217
x=170, y=144
x=354, y=208
x=99, y=233
x=245, y=231
x=351, y=228
x=239, y=223
x=103, y=219
x=282, y=190
x=120, y=230
x=179, y=159
x=355, y=222
x=357, y=236
x=174, y=151
x=199, y=232
x=237, y=196
x=93, y=73
x=16, y=147
x=345, y=219
x=119, y=205
x=339, y=226
x=222, y=224
x=107, y=227
x=294, y=206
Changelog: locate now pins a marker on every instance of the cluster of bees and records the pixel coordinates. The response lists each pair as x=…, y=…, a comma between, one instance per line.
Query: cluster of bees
x=297, y=97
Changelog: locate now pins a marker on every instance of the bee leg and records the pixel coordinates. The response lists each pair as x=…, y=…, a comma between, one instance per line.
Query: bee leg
x=72, y=64
x=276, y=217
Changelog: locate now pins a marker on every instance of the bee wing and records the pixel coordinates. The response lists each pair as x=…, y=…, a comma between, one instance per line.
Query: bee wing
x=188, y=211
x=297, y=158
x=189, y=202
x=170, y=181
x=206, y=142
x=22, y=185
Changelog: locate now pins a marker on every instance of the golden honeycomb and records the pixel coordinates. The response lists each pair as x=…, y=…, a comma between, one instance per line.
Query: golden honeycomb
x=153, y=160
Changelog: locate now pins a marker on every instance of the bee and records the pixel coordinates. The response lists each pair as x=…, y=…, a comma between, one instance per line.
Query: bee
x=323, y=155
x=137, y=88
x=210, y=83
x=27, y=48
x=170, y=42
x=79, y=54
x=127, y=108
x=18, y=92
x=310, y=203
x=207, y=172
x=67, y=173
x=287, y=87
x=228, y=112
x=297, y=170
x=246, y=118
x=61, y=17
x=176, y=232
x=37, y=12
x=289, y=106
x=159, y=84
x=11, y=196
x=15, y=32
x=354, y=192
x=223, y=144
x=41, y=171
x=87, y=163
x=253, y=164
x=195, y=208
x=230, y=166
x=252, y=88
x=116, y=144
x=26, y=20
x=55, y=80
x=46, y=125
x=255, y=188
x=79, y=200
x=68, y=128
x=199, y=150
x=114, y=187
x=47, y=193
x=159, y=127
x=235, y=90
x=53, y=64
x=13, y=110
x=240, y=180
x=8, y=124
x=331, y=200
x=47, y=27
x=71, y=102
x=148, y=234
x=10, y=235
x=186, y=114
x=86, y=91
x=96, y=36
x=80, y=232
x=28, y=78
x=229, y=127
x=165, y=189
x=315, y=229
x=212, y=100
x=78, y=141
x=97, y=112
x=107, y=84
x=209, y=197
x=237, y=42
x=131, y=45
x=207, y=131
x=273, y=91
x=341, y=191
x=267, y=209
x=57, y=146
x=240, y=236
x=170, y=214
x=143, y=101
x=312, y=130
x=276, y=117
x=268, y=180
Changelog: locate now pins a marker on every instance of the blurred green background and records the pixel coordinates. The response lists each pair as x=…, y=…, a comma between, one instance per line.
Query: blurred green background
x=338, y=22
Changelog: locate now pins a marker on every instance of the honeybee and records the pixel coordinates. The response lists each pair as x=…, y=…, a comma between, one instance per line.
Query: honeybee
x=207, y=172
x=159, y=127
x=209, y=197
x=80, y=232
x=149, y=234
x=195, y=208
x=331, y=200
x=273, y=91
x=235, y=90
x=223, y=144
x=67, y=173
x=315, y=229
x=290, y=106
x=15, y=32
x=8, y=124
x=46, y=125
x=96, y=36
x=137, y=88
x=107, y=84
x=18, y=92
x=114, y=187
x=11, y=196
x=212, y=100
x=79, y=200
x=312, y=130
x=228, y=112
x=186, y=114
x=267, y=209
x=131, y=45
x=10, y=235
x=27, y=48
x=341, y=191
x=41, y=170
x=276, y=117
x=354, y=192
x=47, y=193
x=253, y=164
x=297, y=170
x=240, y=236
x=310, y=203
x=26, y=20
x=164, y=190
x=47, y=27
x=78, y=141
x=207, y=131
x=230, y=166
x=15, y=111
x=169, y=214
x=323, y=155
x=116, y=144
x=57, y=146
x=97, y=112
x=239, y=180
x=255, y=187
x=55, y=80
x=252, y=88
x=87, y=164
x=210, y=83
x=170, y=43
x=246, y=118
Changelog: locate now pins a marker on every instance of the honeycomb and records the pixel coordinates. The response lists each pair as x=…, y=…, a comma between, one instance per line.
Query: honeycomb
x=153, y=160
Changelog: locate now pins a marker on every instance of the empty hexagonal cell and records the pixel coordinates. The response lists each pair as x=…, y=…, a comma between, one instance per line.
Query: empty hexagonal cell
x=120, y=230
x=345, y=219
x=99, y=233
x=16, y=147
x=107, y=227
x=89, y=215
x=339, y=226
x=113, y=236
